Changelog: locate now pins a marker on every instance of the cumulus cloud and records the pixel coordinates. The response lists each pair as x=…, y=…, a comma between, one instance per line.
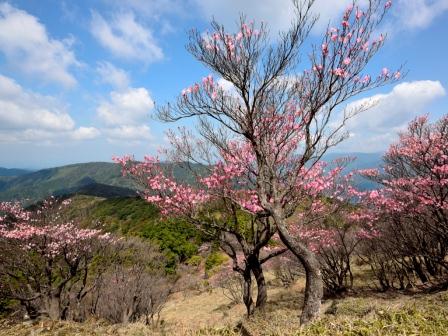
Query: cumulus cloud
x=124, y=37
x=374, y=129
x=125, y=113
x=128, y=107
x=112, y=75
x=25, y=43
x=28, y=116
x=22, y=109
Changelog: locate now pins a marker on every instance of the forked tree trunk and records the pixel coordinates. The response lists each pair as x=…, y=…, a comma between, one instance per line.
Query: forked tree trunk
x=314, y=285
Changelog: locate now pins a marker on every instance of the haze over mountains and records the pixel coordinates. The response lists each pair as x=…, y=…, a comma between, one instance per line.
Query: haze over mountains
x=104, y=179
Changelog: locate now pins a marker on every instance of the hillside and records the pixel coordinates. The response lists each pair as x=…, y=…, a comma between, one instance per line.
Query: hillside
x=13, y=172
x=102, y=179
x=55, y=181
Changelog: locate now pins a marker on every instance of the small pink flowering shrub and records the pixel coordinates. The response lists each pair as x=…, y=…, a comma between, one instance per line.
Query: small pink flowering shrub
x=408, y=215
x=43, y=259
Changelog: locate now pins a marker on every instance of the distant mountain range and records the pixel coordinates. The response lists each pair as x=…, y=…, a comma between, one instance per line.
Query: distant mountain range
x=13, y=172
x=104, y=179
x=64, y=180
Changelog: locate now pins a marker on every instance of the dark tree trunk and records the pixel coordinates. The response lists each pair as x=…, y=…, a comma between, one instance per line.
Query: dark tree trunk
x=419, y=270
x=314, y=285
x=247, y=291
x=262, y=294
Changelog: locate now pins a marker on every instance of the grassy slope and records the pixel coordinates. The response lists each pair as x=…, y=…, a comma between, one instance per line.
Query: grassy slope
x=425, y=315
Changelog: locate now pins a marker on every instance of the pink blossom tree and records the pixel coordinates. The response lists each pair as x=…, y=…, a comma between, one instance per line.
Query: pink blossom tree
x=44, y=258
x=412, y=205
x=223, y=213
x=263, y=139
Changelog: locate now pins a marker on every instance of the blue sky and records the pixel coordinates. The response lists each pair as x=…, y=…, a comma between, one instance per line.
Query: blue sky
x=79, y=79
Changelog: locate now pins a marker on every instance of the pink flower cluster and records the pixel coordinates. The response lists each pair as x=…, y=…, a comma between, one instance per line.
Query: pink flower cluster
x=229, y=45
x=14, y=210
x=318, y=239
x=208, y=85
x=228, y=178
x=51, y=239
x=356, y=43
x=171, y=197
x=415, y=176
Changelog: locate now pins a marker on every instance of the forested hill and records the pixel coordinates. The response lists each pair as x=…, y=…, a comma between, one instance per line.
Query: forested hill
x=61, y=180
x=104, y=179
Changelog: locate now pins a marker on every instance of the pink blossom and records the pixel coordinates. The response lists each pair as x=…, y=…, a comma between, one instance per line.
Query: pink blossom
x=50, y=239
x=318, y=67
x=366, y=79
x=340, y=72
x=365, y=46
x=359, y=14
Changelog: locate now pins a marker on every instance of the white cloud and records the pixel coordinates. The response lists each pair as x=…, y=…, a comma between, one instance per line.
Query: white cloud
x=27, y=47
x=22, y=109
x=85, y=133
x=128, y=107
x=112, y=75
x=124, y=37
x=225, y=84
x=43, y=136
x=125, y=113
x=374, y=129
x=129, y=133
x=27, y=116
x=419, y=13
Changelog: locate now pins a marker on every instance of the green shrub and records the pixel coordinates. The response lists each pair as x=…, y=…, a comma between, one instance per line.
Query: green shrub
x=178, y=239
x=194, y=261
x=214, y=260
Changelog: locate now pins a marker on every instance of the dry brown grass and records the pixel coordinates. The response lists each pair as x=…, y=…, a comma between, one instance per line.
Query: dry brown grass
x=211, y=313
